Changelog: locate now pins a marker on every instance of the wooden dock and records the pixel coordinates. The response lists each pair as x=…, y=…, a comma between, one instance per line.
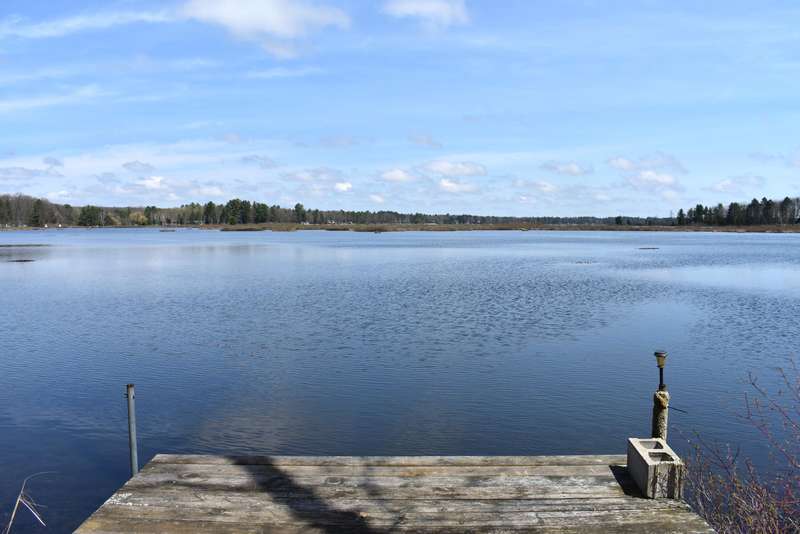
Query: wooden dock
x=259, y=494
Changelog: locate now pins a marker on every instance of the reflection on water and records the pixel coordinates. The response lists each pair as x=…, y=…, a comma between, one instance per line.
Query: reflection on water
x=754, y=277
x=359, y=343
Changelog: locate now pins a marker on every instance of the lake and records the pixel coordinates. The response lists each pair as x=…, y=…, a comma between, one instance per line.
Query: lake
x=383, y=344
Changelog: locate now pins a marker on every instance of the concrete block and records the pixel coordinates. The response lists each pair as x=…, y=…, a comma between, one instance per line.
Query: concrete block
x=655, y=468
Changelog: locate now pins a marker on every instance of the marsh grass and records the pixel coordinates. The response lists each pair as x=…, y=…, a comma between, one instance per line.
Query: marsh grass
x=25, y=500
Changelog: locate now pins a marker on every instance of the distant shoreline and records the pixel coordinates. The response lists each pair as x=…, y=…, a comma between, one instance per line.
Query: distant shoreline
x=381, y=228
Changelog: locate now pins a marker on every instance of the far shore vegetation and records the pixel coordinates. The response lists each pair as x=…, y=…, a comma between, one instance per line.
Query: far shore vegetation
x=23, y=211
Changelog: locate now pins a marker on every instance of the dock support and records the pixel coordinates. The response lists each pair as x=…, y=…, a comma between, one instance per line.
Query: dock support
x=660, y=401
x=660, y=412
x=130, y=394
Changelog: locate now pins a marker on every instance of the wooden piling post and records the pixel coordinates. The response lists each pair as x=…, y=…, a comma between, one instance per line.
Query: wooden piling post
x=660, y=412
x=660, y=401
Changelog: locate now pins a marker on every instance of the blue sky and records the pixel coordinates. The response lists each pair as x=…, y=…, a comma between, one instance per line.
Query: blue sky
x=513, y=107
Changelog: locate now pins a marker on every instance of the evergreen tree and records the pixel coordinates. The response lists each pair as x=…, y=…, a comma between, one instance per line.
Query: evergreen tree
x=210, y=213
x=90, y=216
x=299, y=213
x=37, y=215
x=150, y=213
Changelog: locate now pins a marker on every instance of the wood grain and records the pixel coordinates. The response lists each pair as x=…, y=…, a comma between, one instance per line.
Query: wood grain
x=262, y=494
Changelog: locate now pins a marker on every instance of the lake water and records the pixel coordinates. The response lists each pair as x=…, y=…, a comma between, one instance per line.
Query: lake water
x=360, y=343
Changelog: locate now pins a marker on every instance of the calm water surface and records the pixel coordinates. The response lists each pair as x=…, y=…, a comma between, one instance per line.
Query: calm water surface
x=358, y=343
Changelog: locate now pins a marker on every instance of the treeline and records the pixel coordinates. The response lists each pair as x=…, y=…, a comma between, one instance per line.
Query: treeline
x=765, y=211
x=23, y=210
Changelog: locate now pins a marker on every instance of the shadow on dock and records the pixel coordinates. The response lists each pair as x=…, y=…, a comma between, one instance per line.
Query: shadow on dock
x=304, y=503
x=625, y=481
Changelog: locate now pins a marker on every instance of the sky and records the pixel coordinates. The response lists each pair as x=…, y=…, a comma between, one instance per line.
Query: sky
x=519, y=107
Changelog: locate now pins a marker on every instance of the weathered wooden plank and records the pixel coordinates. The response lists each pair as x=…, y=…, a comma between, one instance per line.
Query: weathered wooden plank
x=564, y=494
x=111, y=526
x=100, y=523
x=254, y=502
x=449, y=488
x=268, y=480
x=624, y=521
x=421, y=519
x=289, y=512
x=278, y=461
x=382, y=471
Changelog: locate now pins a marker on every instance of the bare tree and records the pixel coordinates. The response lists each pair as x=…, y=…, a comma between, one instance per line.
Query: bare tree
x=729, y=492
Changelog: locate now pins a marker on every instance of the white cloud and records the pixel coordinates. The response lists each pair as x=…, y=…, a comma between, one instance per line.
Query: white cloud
x=650, y=179
x=663, y=184
x=654, y=173
x=107, y=178
x=435, y=13
x=452, y=186
x=570, y=168
x=232, y=138
x=190, y=168
x=574, y=197
x=738, y=184
x=343, y=187
x=139, y=167
x=23, y=174
x=397, y=175
x=659, y=160
x=725, y=186
x=17, y=27
x=545, y=187
x=273, y=23
x=46, y=73
x=765, y=157
x=790, y=160
x=153, y=182
x=256, y=18
x=52, y=162
x=280, y=50
x=319, y=174
x=262, y=161
x=662, y=160
x=456, y=168
x=57, y=196
x=424, y=140
x=283, y=72
x=208, y=191
x=338, y=141
x=541, y=186
x=622, y=164
x=33, y=102
x=377, y=199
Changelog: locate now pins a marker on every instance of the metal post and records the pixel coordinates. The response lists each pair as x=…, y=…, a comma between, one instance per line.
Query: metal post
x=131, y=396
